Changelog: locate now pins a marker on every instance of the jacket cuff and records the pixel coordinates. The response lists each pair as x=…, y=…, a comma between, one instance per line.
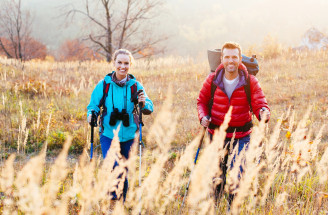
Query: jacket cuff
x=146, y=109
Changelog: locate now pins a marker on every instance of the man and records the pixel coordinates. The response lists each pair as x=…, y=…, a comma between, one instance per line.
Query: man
x=229, y=79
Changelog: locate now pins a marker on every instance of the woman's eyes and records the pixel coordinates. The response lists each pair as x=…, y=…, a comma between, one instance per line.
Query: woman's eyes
x=125, y=63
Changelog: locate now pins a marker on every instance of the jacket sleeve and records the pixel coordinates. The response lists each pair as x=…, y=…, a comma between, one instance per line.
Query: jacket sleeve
x=149, y=106
x=204, y=97
x=95, y=98
x=257, y=97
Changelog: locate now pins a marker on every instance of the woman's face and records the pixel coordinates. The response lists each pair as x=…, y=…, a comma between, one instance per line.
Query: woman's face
x=122, y=66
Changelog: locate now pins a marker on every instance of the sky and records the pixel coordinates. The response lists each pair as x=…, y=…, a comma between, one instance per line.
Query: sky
x=193, y=26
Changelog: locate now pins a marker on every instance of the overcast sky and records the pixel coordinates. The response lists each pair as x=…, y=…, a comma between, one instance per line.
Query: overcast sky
x=196, y=25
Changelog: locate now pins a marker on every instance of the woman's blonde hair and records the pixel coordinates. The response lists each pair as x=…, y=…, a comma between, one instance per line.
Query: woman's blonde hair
x=123, y=51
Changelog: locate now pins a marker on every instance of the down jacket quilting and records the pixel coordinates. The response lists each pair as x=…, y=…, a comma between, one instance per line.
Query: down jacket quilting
x=241, y=110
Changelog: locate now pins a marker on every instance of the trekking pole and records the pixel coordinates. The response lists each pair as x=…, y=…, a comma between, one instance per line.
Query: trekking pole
x=195, y=161
x=93, y=124
x=140, y=145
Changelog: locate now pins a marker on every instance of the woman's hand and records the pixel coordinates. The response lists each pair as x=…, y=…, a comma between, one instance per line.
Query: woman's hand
x=142, y=99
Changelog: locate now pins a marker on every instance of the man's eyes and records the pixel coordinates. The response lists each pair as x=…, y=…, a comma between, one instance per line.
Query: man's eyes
x=233, y=57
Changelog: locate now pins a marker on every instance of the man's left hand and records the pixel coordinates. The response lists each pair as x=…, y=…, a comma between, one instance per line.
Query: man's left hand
x=264, y=113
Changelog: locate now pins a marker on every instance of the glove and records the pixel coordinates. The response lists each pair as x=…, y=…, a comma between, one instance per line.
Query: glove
x=92, y=119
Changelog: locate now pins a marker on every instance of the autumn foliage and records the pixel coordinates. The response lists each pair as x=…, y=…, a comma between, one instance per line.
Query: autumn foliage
x=76, y=50
x=31, y=49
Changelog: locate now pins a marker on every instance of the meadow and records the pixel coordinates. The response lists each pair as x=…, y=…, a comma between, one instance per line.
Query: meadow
x=45, y=139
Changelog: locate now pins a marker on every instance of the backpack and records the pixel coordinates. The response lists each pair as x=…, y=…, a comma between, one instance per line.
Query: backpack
x=102, y=102
x=252, y=68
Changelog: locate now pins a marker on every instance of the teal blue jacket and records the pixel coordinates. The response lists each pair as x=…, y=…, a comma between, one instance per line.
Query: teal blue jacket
x=121, y=97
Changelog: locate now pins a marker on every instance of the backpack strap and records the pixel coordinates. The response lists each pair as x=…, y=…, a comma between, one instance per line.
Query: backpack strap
x=134, y=88
x=213, y=88
x=247, y=89
x=102, y=106
x=105, y=94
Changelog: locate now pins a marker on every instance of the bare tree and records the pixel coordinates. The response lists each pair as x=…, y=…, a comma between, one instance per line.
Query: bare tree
x=122, y=24
x=15, y=29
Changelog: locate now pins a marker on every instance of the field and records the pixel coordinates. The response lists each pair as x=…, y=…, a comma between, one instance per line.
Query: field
x=44, y=141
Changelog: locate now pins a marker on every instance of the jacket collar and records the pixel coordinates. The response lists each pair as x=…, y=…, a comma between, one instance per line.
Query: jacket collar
x=109, y=79
x=243, y=74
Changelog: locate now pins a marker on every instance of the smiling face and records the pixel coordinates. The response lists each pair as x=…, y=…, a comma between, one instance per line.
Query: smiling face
x=122, y=65
x=231, y=59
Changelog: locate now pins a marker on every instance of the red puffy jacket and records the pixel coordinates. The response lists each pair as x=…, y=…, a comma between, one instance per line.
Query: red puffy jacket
x=241, y=110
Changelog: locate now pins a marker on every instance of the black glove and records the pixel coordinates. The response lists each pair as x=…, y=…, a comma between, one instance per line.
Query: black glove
x=94, y=117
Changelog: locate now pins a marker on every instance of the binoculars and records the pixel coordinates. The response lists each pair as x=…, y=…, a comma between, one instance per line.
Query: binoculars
x=116, y=115
x=124, y=116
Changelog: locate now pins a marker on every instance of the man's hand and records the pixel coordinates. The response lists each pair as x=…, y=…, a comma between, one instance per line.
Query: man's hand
x=142, y=99
x=205, y=122
x=264, y=114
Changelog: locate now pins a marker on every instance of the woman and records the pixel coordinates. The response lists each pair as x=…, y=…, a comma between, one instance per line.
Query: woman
x=114, y=94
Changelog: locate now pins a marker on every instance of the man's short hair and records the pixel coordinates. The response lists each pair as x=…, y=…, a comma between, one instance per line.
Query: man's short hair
x=232, y=45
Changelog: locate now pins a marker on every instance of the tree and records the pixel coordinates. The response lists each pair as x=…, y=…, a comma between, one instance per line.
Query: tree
x=5, y=43
x=15, y=26
x=121, y=24
x=15, y=32
x=31, y=49
x=76, y=50
x=34, y=49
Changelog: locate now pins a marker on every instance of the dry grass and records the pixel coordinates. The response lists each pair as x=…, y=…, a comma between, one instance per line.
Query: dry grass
x=43, y=106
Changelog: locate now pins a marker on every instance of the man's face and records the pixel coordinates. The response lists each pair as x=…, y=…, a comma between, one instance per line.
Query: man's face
x=231, y=60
